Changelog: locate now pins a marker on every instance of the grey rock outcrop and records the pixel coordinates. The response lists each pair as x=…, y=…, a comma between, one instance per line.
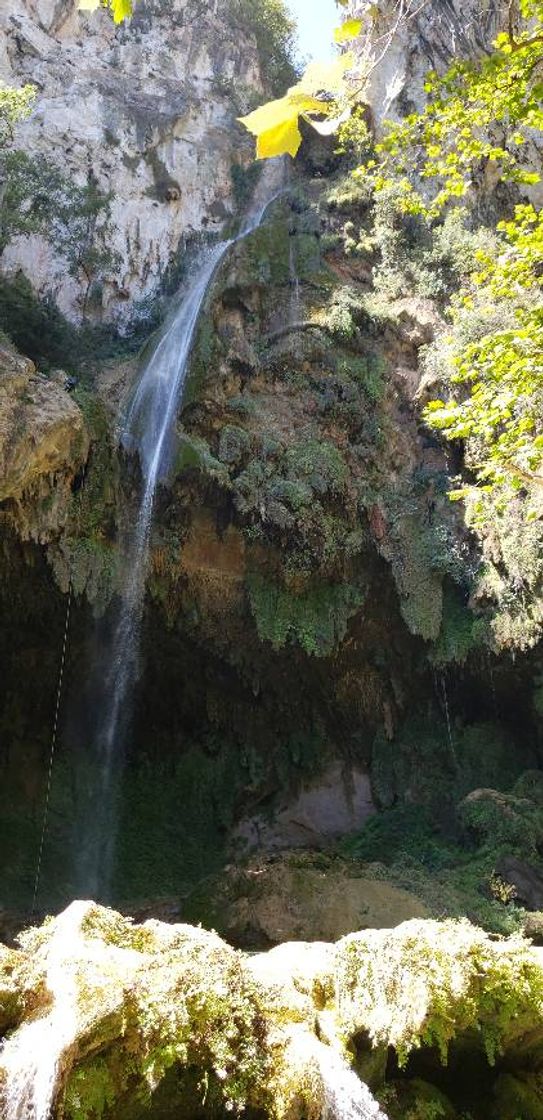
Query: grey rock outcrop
x=144, y=112
x=398, y=53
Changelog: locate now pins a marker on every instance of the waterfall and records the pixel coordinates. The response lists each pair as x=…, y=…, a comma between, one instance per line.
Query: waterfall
x=150, y=428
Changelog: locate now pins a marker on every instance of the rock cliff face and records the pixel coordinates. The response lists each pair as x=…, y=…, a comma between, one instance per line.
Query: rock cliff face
x=400, y=52
x=44, y=443
x=140, y=118
x=317, y=657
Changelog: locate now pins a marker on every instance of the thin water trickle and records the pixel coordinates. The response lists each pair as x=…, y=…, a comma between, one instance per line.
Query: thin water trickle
x=149, y=428
x=448, y=719
x=346, y=1097
x=295, y=302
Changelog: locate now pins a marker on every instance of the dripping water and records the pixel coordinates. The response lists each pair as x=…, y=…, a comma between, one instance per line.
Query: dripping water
x=149, y=428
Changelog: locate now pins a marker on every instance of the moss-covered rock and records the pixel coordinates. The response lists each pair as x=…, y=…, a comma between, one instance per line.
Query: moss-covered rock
x=169, y=1021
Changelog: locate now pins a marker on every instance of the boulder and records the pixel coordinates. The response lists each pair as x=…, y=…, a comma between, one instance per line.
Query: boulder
x=295, y=896
x=526, y=880
x=43, y=444
x=335, y=803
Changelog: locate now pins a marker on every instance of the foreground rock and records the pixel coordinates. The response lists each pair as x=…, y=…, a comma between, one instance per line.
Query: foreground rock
x=107, y=1019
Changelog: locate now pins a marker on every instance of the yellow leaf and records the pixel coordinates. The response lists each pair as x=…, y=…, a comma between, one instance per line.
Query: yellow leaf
x=275, y=113
x=121, y=9
x=331, y=124
x=348, y=30
x=284, y=139
x=326, y=76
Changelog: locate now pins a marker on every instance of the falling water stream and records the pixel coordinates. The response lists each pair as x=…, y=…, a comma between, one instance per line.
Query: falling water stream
x=150, y=428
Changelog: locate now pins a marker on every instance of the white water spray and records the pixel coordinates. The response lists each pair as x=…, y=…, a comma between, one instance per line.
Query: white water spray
x=346, y=1097
x=149, y=428
x=31, y=1059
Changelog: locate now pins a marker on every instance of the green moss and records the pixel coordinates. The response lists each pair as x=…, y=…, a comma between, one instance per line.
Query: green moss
x=459, y=635
x=503, y=819
x=193, y=453
x=316, y=619
x=426, y=983
x=234, y=443
x=519, y=1096
x=90, y=1092
x=318, y=463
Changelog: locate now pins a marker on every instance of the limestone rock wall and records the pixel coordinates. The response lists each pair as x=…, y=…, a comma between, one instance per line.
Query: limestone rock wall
x=402, y=52
x=145, y=114
x=43, y=444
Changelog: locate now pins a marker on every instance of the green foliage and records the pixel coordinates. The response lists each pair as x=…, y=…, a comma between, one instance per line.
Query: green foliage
x=234, y=443
x=15, y=105
x=346, y=193
x=368, y=371
x=38, y=198
x=91, y=1092
x=454, y=135
x=417, y=256
x=354, y=138
x=41, y=331
x=508, y=585
x=436, y=764
x=459, y=635
x=275, y=33
x=244, y=180
x=431, y=983
x=503, y=369
x=406, y=830
x=482, y=114
x=499, y=819
x=316, y=619
x=319, y=464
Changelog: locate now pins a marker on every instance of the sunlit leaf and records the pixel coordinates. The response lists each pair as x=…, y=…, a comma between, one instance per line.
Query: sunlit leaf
x=283, y=139
x=348, y=30
x=326, y=77
x=121, y=9
x=275, y=124
x=329, y=126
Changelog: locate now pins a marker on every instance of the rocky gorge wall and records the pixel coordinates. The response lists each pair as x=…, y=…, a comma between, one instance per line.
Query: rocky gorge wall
x=133, y=128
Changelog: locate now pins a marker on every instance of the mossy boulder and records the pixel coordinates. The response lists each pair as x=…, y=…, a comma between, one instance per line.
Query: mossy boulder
x=299, y=895
x=170, y=1021
x=430, y=983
